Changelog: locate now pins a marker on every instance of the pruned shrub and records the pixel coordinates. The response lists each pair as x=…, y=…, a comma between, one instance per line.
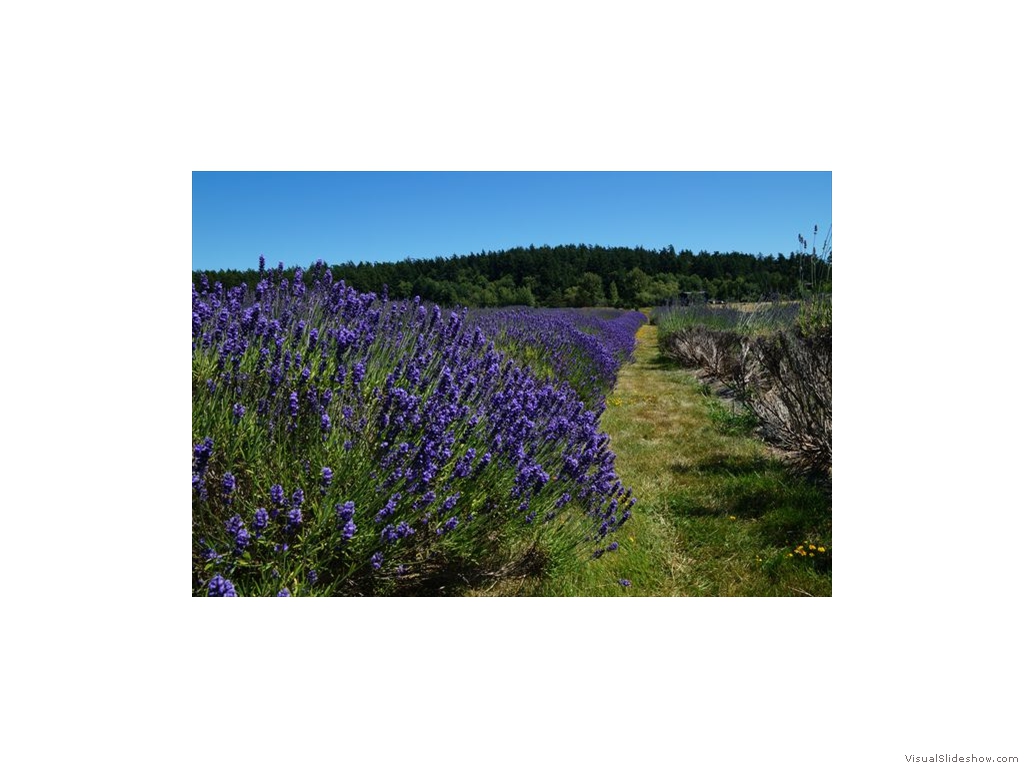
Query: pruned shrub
x=793, y=400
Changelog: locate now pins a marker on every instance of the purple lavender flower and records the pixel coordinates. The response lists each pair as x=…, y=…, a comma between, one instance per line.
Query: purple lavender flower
x=238, y=411
x=201, y=454
x=387, y=510
x=465, y=464
x=625, y=582
x=612, y=547
x=326, y=475
x=349, y=530
x=377, y=560
x=284, y=593
x=208, y=552
x=276, y=495
x=260, y=520
x=294, y=518
x=221, y=587
x=345, y=514
x=228, y=486
x=236, y=529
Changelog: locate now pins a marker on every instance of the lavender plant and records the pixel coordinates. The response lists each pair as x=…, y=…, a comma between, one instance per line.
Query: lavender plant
x=584, y=348
x=344, y=443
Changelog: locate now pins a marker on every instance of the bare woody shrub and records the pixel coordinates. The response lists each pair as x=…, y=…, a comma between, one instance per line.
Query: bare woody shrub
x=793, y=401
x=712, y=351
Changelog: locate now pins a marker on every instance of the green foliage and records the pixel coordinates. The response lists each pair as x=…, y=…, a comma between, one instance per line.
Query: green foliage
x=735, y=420
x=572, y=275
x=591, y=291
x=613, y=294
x=815, y=315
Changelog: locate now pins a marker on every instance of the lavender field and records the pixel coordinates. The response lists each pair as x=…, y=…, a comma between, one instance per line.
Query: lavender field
x=345, y=443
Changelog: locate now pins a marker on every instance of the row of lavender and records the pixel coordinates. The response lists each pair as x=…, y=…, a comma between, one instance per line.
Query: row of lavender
x=344, y=443
x=583, y=348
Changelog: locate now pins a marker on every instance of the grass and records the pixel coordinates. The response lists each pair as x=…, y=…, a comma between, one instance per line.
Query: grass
x=733, y=419
x=716, y=512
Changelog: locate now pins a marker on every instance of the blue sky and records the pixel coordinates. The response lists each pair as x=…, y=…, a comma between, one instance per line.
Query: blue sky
x=298, y=218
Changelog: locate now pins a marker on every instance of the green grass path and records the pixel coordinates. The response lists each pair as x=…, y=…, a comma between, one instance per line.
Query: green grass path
x=716, y=514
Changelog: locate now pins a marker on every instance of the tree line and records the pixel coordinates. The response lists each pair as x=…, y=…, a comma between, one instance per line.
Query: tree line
x=576, y=276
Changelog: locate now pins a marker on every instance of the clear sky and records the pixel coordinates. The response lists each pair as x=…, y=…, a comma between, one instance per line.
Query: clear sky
x=298, y=218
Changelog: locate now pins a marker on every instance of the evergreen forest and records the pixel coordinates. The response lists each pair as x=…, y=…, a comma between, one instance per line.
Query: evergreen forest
x=574, y=276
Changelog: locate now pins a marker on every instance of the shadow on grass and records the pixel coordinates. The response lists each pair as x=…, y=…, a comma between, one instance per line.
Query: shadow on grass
x=726, y=465
x=662, y=363
x=783, y=509
x=453, y=576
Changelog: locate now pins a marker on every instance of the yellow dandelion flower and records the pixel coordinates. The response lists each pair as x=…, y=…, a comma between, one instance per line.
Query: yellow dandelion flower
x=812, y=554
x=732, y=517
x=821, y=549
